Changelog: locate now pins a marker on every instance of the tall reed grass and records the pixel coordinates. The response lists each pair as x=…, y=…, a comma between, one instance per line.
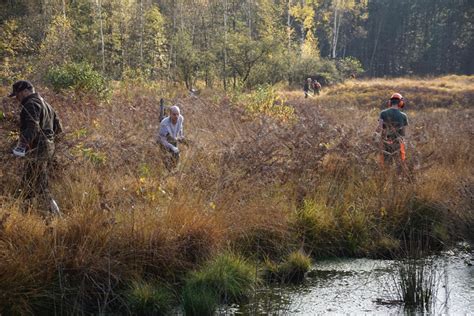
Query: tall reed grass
x=419, y=278
x=253, y=183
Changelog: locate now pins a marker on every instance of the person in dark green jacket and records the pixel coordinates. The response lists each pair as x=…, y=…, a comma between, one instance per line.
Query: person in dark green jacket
x=39, y=124
x=392, y=125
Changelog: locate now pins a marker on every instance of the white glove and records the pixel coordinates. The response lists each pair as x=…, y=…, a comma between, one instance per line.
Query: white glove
x=175, y=150
x=19, y=150
x=377, y=137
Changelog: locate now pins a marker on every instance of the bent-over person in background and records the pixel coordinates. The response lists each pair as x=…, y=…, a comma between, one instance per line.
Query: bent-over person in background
x=307, y=87
x=39, y=124
x=169, y=135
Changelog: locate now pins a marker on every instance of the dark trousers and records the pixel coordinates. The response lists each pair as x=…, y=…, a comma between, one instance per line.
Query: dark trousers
x=34, y=182
x=394, y=152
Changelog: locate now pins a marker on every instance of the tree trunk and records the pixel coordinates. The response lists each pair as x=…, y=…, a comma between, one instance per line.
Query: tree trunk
x=225, y=46
x=141, y=34
x=335, y=29
x=64, y=8
x=288, y=26
x=99, y=6
x=250, y=17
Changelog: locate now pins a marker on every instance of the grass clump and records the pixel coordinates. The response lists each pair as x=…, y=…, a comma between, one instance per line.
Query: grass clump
x=295, y=267
x=316, y=225
x=292, y=270
x=417, y=286
x=226, y=279
x=145, y=298
x=417, y=280
x=332, y=231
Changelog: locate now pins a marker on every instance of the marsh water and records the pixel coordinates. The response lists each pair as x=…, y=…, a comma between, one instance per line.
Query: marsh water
x=364, y=286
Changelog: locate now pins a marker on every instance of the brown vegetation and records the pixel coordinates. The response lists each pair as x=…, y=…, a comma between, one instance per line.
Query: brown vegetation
x=259, y=185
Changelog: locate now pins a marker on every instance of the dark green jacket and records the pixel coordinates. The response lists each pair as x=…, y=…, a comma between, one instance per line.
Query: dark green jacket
x=39, y=124
x=394, y=122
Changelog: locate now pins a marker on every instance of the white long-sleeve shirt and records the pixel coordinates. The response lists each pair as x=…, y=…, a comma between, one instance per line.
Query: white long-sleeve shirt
x=168, y=129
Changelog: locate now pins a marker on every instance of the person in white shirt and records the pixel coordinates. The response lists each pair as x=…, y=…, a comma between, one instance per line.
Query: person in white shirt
x=170, y=133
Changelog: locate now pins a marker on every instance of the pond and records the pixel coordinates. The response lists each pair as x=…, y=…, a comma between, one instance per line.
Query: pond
x=358, y=286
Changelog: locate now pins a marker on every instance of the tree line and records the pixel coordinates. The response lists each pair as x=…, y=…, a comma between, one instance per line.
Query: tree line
x=235, y=43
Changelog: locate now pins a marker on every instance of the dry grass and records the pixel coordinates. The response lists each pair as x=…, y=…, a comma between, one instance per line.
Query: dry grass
x=242, y=183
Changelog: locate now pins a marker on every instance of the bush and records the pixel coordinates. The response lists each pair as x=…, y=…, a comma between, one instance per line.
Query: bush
x=272, y=71
x=265, y=101
x=349, y=67
x=324, y=70
x=80, y=77
x=149, y=299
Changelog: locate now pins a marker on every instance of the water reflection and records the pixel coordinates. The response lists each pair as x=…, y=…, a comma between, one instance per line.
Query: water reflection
x=357, y=286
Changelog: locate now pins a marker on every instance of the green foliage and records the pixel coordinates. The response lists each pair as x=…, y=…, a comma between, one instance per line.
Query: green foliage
x=349, y=67
x=57, y=45
x=13, y=44
x=266, y=101
x=199, y=298
x=244, y=53
x=189, y=43
x=333, y=231
x=303, y=68
x=295, y=267
x=90, y=154
x=227, y=278
x=79, y=77
x=292, y=270
x=145, y=298
x=187, y=61
x=316, y=225
x=154, y=42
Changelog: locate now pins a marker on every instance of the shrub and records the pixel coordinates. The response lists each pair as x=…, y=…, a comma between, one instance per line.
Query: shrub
x=227, y=278
x=349, y=66
x=324, y=70
x=265, y=101
x=148, y=299
x=80, y=77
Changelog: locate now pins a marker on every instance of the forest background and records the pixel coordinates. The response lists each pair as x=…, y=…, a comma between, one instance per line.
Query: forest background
x=232, y=43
